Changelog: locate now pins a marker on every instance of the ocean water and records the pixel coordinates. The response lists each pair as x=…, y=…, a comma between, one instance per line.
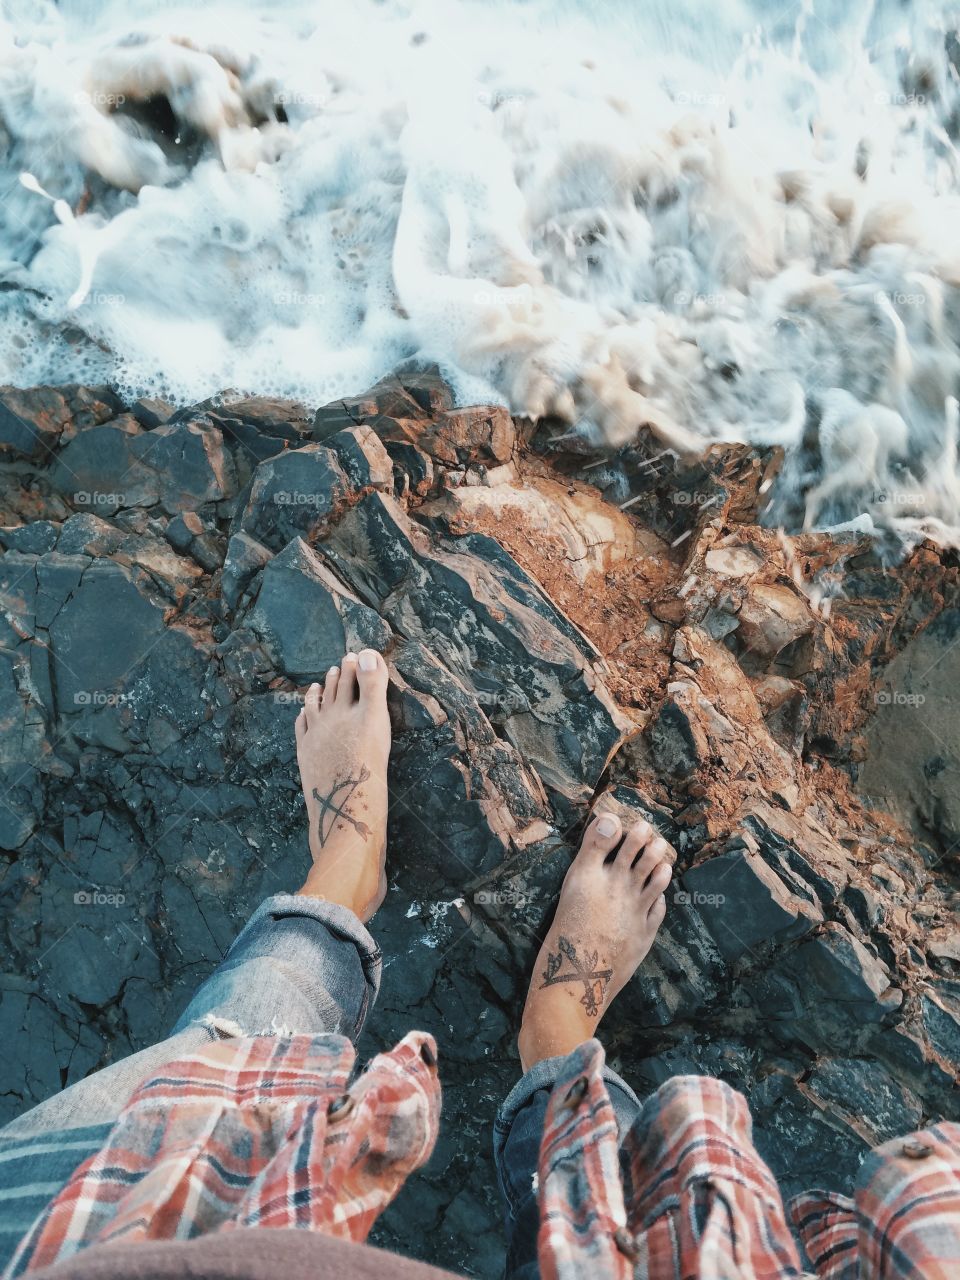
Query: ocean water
x=698, y=219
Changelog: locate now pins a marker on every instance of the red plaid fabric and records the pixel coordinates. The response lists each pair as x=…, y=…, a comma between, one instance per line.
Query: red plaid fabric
x=258, y=1132
x=904, y=1220
x=696, y=1202
x=264, y=1133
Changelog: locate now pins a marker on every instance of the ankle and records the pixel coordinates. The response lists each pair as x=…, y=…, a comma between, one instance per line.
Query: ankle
x=542, y=1037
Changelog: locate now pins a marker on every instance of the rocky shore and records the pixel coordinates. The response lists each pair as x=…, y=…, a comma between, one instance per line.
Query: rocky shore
x=561, y=626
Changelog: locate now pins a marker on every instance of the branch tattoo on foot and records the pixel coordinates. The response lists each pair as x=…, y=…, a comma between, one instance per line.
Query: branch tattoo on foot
x=581, y=970
x=333, y=806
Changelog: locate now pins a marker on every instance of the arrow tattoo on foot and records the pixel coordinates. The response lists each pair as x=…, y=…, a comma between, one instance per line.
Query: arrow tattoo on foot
x=594, y=980
x=333, y=806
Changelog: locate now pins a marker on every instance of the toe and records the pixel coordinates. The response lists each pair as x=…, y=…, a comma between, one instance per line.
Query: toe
x=655, y=851
x=330, y=686
x=347, y=684
x=311, y=705
x=371, y=675
x=657, y=912
x=600, y=837
x=300, y=725
x=656, y=886
x=636, y=839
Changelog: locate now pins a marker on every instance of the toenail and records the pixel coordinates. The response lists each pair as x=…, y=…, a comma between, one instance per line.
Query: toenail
x=607, y=826
x=347, y=657
x=368, y=660
x=574, y=1095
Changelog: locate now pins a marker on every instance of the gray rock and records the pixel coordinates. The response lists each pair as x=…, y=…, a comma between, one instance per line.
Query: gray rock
x=293, y=495
x=175, y=467
x=34, y=538
x=745, y=905
x=85, y=669
x=189, y=534
x=32, y=421
x=245, y=557
x=307, y=619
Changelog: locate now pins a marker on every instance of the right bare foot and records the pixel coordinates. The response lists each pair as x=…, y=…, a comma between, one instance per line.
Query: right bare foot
x=610, y=909
x=343, y=743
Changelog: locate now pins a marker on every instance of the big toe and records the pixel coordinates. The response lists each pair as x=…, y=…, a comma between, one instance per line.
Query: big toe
x=600, y=838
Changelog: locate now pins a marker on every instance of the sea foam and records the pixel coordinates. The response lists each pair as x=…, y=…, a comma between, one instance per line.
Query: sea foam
x=681, y=222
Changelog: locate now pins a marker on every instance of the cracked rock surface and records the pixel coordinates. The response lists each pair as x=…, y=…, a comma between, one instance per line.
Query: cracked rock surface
x=562, y=628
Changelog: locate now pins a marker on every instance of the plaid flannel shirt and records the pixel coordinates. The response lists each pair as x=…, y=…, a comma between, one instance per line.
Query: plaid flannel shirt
x=264, y=1132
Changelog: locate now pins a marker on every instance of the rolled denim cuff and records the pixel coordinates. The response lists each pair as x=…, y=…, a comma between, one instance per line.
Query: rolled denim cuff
x=544, y=1075
x=516, y=1182
x=299, y=966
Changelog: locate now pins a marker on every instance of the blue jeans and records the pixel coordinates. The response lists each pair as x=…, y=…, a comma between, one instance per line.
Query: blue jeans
x=299, y=966
x=517, y=1130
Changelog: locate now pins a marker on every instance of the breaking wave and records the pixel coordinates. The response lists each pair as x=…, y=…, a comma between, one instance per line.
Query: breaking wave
x=706, y=221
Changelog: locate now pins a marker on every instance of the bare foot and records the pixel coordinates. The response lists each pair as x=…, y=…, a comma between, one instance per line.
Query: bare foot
x=343, y=742
x=610, y=908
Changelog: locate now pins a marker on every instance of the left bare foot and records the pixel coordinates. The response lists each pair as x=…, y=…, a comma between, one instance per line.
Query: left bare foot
x=611, y=906
x=343, y=743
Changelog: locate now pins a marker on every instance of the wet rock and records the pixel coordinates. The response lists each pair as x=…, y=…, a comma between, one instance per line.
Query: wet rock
x=363, y=458
x=772, y=623
x=150, y=412
x=493, y=628
x=245, y=557
x=295, y=494
x=307, y=619
x=33, y=539
x=464, y=437
x=88, y=535
x=34, y=420
x=83, y=595
x=744, y=904
x=188, y=533
x=119, y=465
x=941, y=1019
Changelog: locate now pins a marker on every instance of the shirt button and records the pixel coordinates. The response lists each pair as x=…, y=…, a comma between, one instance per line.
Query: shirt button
x=340, y=1107
x=917, y=1150
x=626, y=1243
x=575, y=1093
